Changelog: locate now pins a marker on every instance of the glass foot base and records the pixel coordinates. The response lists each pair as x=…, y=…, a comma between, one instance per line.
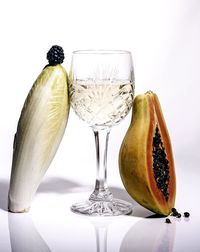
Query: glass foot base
x=102, y=208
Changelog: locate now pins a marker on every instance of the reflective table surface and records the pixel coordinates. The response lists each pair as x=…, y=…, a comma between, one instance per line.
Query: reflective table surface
x=51, y=226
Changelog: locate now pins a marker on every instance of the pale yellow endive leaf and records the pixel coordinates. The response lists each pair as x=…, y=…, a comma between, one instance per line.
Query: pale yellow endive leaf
x=40, y=129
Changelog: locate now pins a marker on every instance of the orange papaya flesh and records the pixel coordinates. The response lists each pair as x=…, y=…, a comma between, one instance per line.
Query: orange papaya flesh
x=146, y=160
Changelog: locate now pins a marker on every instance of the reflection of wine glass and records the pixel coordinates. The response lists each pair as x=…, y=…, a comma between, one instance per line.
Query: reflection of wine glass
x=101, y=230
x=101, y=91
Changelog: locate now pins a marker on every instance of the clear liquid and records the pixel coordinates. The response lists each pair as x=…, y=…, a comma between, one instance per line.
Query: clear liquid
x=102, y=105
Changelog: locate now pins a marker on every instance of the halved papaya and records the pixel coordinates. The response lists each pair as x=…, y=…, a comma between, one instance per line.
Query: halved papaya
x=146, y=160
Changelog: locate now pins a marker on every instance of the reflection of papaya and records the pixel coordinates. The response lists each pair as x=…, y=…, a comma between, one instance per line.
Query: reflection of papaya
x=146, y=158
x=149, y=235
x=23, y=235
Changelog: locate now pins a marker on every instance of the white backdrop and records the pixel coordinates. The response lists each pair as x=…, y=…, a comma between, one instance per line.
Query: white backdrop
x=164, y=38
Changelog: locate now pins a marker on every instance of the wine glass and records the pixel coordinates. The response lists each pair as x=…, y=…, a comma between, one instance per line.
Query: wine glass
x=101, y=93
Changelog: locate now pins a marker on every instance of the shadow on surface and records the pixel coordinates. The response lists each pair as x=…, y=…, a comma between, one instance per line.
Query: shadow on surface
x=50, y=185
x=4, y=186
x=138, y=211
x=156, y=216
x=121, y=194
x=63, y=186
x=59, y=185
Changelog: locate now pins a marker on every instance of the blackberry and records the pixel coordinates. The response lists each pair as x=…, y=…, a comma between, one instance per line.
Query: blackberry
x=55, y=55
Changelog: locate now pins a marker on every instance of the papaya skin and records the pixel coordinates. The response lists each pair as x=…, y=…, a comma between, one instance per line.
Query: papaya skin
x=135, y=157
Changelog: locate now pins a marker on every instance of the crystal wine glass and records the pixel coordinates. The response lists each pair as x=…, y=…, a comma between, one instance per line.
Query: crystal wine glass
x=101, y=92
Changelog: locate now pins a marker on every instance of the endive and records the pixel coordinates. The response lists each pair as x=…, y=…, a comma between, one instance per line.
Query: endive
x=40, y=129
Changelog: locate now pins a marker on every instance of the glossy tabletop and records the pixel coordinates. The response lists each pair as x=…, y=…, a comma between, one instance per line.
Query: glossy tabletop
x=51, y=226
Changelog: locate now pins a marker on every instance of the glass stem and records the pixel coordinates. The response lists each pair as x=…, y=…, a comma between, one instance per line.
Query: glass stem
x=101, y=191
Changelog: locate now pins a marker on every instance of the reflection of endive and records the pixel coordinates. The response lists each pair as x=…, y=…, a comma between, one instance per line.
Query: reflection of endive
x=152, y=235
x=23, y=235
x=40, y=129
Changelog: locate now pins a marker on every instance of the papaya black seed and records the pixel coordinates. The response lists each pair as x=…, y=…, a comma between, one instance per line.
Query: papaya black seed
x=164, y=189
x=167, y=220
x=160, y=164
x=166, y=161
x=156, y=141
x=178, y=215
x=173, y=209
x=186, y=214
x=175, y=214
